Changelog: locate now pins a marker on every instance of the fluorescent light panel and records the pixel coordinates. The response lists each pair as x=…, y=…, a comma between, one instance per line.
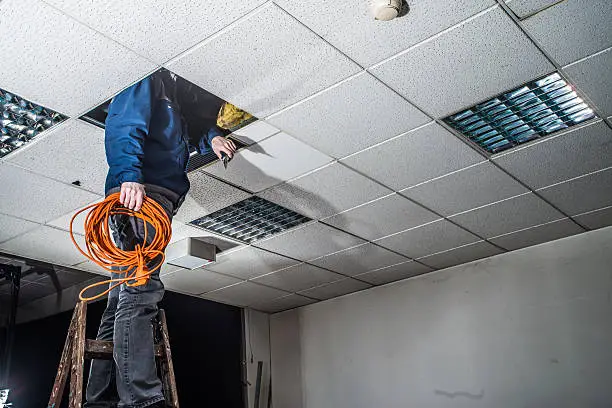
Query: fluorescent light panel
x=22, y=120
x=251, y=220
x=536, y=109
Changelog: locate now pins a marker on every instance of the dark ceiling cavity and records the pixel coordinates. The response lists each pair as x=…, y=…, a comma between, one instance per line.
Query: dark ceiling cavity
x=210, y=104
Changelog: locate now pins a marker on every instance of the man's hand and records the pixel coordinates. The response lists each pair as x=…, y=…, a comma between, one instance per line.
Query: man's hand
x=221, y=144
x=132, y=195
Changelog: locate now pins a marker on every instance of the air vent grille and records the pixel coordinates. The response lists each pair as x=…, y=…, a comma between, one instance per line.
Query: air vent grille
x=251, y=220
x=22, y=120
x=536, y=109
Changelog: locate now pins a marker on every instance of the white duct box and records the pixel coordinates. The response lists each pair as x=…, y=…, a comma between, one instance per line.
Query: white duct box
x=191, y=253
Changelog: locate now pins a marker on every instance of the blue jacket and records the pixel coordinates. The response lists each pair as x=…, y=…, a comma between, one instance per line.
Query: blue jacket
x=147, y=138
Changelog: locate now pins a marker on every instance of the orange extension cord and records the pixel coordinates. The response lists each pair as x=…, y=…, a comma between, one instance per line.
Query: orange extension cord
x=102, y=250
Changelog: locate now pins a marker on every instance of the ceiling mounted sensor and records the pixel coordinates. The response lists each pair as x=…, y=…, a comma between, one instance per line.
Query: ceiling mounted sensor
x=386, y=10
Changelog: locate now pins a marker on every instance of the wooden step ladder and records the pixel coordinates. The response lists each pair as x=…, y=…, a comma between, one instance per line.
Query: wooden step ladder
x=77, y=348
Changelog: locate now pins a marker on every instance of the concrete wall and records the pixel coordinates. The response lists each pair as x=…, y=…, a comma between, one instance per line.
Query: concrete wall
x=532, y=328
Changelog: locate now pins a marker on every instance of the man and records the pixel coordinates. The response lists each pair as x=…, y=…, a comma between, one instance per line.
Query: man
x=147, y=152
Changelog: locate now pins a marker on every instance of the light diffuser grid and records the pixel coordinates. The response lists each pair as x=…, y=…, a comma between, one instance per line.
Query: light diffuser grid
x=536, y=109
x=22, y=120
x=251, y=220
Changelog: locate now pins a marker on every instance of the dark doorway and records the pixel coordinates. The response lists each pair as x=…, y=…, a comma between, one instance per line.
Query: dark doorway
x=206, y=340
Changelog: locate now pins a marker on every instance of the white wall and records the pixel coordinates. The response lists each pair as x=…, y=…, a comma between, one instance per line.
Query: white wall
x=257, y=348
x=531, y=328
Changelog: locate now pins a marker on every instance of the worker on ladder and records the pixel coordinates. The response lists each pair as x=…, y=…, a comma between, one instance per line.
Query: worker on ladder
x=147, y=152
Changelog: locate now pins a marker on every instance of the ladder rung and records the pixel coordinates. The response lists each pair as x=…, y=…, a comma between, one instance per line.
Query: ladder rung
x=103, y=350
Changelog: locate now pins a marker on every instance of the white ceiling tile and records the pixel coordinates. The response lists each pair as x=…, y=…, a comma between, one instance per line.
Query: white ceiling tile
x=167, y=269
x=596, y=219
x=197, y=281
x=343, y=120
x=249, y=262
x=255, y=132
x=66, y=278
x=46, y=244
x=311, y=241
x=62, y=64
x=11, y=227
x=336, y=289
x=161, y=29
x=245, y=294
x=428, y=152
x=524, y=8
x=71, y=151
x=270, y=162
x=284, y=303
x=299, y=277
x=78, y=226
x=428, y=239
x=28, y=195
x=325, y=192
x=382, y=217
x=468, y=188
x=465, y=65
x=559, y=158
x=206, y=196
x=583, y=194
x=360, y=259
x=593, y=76
x=537, y=235
x=508, y=216
x=89, y=266
x=181, y=231
x=461, y=255
x=394, y=273
x=264, y=63
x=32, y=291
x=573, y=29
x=349, y=26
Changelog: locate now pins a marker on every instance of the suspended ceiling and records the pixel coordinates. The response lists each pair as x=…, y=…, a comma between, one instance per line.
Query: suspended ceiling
x=350, y=132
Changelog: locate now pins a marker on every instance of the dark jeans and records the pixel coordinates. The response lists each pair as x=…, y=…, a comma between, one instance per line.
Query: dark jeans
x=129, y=380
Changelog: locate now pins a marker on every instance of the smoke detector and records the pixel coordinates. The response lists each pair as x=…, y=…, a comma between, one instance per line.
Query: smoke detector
x=386, y=10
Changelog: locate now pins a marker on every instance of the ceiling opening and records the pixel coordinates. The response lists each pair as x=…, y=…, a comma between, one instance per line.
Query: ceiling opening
x=22, y=120
x=538, y=108
x=207, y=104
x=251, y=220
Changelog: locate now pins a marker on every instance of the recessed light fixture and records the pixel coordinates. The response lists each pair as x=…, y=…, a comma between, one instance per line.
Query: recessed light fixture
x=22, y=120
x=251, y=220
x=533, y=110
